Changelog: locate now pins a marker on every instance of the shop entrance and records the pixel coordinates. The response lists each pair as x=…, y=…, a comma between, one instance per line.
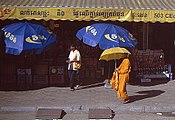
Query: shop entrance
x=50, y=68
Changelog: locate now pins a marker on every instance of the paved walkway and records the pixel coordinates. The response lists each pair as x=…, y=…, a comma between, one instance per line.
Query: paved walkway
x=158, y=98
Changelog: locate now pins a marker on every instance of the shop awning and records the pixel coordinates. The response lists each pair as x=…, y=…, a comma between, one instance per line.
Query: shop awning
x=122, y=10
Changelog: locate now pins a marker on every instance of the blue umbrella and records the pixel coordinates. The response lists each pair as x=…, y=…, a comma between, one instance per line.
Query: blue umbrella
x=25, y=36
x=106, y=36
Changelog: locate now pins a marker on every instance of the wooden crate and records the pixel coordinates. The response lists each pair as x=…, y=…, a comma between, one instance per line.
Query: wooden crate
x=8, y=82
x=8, y=69
x=41, y=69
x=8, y=78
x=87, y=73
x=98, y=73
x=24, y=82
x=56, y=80
x=24, y=79
x=92, y=74
x=40, y=79
x=82, y=73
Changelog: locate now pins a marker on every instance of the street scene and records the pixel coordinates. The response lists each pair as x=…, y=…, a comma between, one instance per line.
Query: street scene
x=146, y=102
x=80, y=60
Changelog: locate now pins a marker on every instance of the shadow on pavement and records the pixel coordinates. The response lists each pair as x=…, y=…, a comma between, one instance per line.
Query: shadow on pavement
x=91, y=86
x=145, y=94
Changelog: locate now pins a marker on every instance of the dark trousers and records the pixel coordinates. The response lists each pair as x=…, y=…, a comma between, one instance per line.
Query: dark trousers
x=72, y=78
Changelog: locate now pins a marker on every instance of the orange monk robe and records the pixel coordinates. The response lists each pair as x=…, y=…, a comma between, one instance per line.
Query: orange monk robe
x=114, y=80
x=123, y=70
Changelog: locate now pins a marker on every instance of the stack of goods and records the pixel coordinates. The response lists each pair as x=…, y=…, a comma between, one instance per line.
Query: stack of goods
x=149, y=61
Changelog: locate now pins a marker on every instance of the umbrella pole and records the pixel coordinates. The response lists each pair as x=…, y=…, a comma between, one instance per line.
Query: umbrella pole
x=109, y=71
x=115, y=63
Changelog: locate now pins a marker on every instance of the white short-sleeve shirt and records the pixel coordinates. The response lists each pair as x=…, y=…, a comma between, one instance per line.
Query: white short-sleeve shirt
x=72, y=56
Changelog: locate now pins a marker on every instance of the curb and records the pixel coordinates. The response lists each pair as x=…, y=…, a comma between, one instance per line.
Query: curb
x=85, y=108
x=17, y=109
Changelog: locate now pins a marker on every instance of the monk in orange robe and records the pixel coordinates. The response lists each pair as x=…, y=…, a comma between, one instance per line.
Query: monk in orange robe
x=123, y=70
x=120, y=78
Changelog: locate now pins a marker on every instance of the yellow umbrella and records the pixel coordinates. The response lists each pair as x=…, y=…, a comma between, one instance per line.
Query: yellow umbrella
x=114, y=53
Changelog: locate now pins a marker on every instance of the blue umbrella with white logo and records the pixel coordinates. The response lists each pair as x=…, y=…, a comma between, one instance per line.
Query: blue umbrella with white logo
x=26, y=36
x=106, y=36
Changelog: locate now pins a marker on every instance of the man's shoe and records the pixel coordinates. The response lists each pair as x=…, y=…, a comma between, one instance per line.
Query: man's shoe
x=77, y=86
x=72, y=89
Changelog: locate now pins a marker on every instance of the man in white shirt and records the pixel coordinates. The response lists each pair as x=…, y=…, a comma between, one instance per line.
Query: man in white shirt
x=74, y=64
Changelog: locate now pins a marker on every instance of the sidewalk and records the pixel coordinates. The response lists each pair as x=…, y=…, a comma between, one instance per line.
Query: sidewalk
x=158, y=98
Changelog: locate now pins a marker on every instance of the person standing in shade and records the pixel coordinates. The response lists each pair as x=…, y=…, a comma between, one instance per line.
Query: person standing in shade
x=74, y=64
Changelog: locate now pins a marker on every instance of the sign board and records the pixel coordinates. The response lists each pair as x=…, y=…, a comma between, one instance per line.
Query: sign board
x=24, y=71
x=56, y=70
